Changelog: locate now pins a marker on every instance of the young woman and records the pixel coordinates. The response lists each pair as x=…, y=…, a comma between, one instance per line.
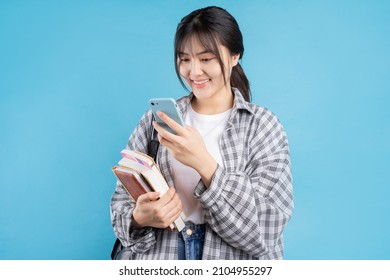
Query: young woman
x=229, y=167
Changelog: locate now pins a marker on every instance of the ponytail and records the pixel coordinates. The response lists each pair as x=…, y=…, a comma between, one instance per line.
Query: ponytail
x=239, y=80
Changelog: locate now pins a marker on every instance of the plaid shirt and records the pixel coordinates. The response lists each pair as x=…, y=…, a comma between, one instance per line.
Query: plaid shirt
x=247, y=204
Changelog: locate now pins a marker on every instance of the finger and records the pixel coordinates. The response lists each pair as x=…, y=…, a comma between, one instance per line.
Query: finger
x=171, y=123
x=147, y=197
x=163, y=133
x=173, y=209
x=170, y=143
x=160, y=131
x=167, y=197
x=175, y=201
x=165, y=142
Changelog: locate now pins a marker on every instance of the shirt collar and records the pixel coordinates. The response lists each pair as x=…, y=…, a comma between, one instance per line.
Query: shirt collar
x=239, y=102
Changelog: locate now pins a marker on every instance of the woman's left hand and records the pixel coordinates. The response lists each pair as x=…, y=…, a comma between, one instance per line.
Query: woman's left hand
x=187, y=147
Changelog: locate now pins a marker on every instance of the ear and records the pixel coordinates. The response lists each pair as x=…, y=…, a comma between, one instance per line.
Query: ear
x=235, y=59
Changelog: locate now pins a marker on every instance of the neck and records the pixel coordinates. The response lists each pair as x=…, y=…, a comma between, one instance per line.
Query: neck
x=218, y=103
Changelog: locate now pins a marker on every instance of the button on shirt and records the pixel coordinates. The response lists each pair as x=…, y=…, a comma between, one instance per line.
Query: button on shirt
x=248, y=203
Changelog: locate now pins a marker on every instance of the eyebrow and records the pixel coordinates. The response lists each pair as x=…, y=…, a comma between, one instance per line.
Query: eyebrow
x=199, y=53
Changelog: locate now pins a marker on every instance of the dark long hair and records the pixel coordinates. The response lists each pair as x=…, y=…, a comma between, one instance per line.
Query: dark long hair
x=214, y=26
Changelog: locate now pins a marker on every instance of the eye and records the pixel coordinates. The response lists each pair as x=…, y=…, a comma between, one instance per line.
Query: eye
x=183, y=59
x=206, y=59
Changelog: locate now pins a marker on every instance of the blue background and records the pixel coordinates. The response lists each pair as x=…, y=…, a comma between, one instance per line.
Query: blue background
x=75, y=77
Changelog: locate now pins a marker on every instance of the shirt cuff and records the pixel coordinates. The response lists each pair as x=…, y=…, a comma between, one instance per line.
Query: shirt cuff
x=208, y=196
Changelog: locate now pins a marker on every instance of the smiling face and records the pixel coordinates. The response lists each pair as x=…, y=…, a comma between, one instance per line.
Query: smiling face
x=202, y=71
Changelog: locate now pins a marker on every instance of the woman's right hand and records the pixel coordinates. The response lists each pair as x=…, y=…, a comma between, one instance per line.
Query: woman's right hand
x=151, y=210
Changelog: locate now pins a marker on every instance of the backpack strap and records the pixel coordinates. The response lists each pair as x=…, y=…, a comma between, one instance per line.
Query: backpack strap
x=153, y=144
x=116, y=249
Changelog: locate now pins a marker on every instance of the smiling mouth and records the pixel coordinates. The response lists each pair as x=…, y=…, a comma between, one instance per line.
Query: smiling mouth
x=200, y=83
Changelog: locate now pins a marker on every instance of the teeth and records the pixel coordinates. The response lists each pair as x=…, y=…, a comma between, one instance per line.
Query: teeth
x=200, y=82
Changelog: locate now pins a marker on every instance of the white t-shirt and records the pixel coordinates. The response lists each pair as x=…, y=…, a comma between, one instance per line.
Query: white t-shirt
x=186, y=178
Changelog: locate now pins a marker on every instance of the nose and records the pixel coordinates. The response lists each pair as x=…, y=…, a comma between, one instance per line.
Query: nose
x=196, y=68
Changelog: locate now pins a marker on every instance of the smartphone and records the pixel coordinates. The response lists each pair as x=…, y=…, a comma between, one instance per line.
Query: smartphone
x=169, y=107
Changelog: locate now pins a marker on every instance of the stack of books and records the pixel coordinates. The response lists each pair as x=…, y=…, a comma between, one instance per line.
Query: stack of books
x=139, y=174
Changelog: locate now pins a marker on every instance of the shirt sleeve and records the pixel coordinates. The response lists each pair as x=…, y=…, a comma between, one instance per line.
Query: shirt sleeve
x=249, y=208
x=122, y=204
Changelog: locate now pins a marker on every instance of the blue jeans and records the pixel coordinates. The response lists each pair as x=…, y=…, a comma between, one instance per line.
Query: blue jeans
x=190, y=242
